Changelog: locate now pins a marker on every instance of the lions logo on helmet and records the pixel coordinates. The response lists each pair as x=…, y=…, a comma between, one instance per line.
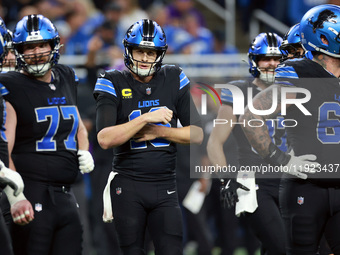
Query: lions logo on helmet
x=319, y=23
x=146, y=34
x=36, y=29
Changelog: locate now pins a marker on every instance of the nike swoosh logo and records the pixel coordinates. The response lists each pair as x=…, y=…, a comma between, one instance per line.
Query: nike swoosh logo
x=170, y=192
x=102, y=74
x=227, y=186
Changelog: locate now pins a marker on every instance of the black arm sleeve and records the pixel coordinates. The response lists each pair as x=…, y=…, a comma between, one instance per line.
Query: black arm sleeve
x=187, y=112
x=106, y=113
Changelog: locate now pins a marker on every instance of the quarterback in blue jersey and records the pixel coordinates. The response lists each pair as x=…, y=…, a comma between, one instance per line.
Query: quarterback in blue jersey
x=265, y=221
x=309, y=204
x=47, y=140
x=137, y=113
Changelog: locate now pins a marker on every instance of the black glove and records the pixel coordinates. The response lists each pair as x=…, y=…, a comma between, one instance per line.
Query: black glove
x=228, y=194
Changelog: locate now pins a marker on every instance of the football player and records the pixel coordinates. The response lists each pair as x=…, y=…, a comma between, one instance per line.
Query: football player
x=10, y=60
x=10, y=181
x=137, y=113
x=291, y=45
x=47, y=140
x=309, y=204
x=265, y=221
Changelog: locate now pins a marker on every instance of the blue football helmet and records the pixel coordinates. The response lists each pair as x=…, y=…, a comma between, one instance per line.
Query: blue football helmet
x=264, y=45
x=36, y=29
x=145, y=34
x=322, y=21
x=10, y=60
x=291, y=43
x=3, y=37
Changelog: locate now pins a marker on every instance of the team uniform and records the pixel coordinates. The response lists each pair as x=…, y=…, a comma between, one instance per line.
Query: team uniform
x=5, y=239
x=144, y=190
x=267, y=213
x=305, y=222
x=45, y=154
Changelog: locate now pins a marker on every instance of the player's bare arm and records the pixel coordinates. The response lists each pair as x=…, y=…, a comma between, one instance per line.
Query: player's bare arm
x=219, y=136
x=82, y=135
x=258, y=136
x=21, y=209
x=116, y=135
x=10, y=125
x=184, y=135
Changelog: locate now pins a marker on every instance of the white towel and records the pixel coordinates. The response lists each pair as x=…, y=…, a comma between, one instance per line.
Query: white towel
x=108, y=214
x=247, y=201
x=194, y=199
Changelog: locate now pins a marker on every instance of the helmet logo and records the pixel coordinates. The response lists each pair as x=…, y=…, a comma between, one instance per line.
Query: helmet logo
x=326, y=15
x=145, y=43
x=34, y=36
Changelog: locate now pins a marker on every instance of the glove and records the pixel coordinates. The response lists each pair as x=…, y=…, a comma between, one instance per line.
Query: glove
x=290, y=163
x=299, y=165
x=11, y=178
x=86, y=163
x=228, y=194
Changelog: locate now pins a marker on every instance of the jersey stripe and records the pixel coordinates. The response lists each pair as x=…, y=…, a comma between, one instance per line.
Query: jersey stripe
x=226, y=96
x=3, y=90
x=286, y=72
x=106, y=86
x=284, y=83
x=183, y=80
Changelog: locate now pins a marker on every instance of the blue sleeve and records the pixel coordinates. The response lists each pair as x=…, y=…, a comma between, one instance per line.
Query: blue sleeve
x=285, y=75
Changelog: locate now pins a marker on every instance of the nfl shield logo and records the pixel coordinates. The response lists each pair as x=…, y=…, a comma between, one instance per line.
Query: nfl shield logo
x=300, y=200
x=148, y=91
x=118, y=191
x=38, y=207
x=52, y=86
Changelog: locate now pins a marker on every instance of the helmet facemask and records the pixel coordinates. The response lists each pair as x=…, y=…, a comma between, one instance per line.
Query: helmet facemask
x=291, y=51
x=266, y=74
x=32, y=63
x=265, y=45
x=36, y=29
x=135, y=65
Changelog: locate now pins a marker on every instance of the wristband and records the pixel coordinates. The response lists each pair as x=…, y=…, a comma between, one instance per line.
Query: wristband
x=276, y=157
x=10, y=195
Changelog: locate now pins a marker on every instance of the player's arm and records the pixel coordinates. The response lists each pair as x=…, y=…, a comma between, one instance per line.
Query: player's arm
x=21, y=209
x=182, y=135
x=219, y=136
x=191, y=132
x=116, y=135
x=82, y=135
x=258, y=136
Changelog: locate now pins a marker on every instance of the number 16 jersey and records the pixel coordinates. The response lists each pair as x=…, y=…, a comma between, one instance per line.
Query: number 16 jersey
x=120, y=98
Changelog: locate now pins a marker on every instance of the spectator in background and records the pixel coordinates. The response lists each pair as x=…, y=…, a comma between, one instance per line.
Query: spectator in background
x=201, y=41
x=131, y=13
x=175, y=36
x=180, y=8
x=220, y=45
x=82, y=26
